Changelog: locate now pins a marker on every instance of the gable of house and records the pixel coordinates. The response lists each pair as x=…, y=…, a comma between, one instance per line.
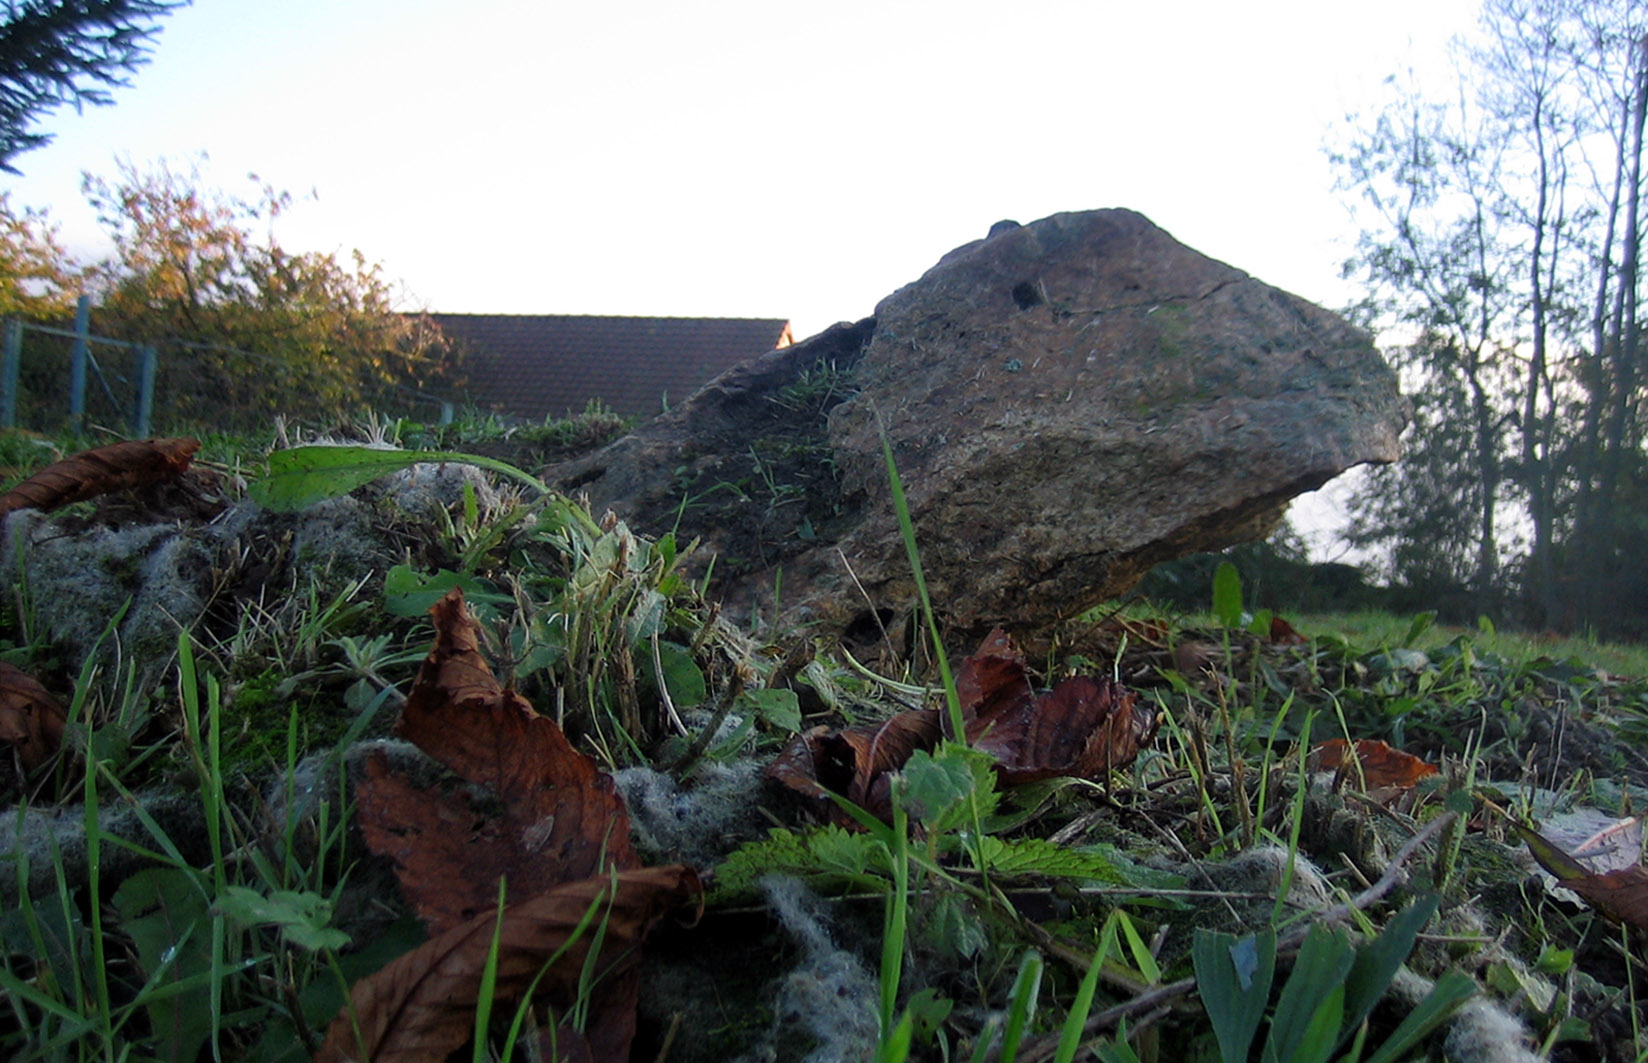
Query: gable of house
x=540, y=365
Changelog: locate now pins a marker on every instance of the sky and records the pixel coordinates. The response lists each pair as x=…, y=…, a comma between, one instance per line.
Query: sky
x=767, y=159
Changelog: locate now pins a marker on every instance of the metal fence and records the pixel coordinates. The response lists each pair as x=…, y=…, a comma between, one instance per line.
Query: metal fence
x=54, y=378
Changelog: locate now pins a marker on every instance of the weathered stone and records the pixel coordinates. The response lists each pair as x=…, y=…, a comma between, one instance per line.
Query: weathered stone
x=1069, y=403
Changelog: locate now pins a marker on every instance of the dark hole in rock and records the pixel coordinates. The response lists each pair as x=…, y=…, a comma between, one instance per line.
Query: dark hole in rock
x=1027, y=295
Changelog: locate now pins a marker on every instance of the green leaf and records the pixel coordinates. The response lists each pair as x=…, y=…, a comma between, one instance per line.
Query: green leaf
x=1551, y=858
x=829, y=857
x=1421, y=624
x=301, y=476
x=1233, y=978
x=1305, y=1027
x=1100, y=863
x=1378, y=960
x=1021, y=1008
x=407, y=592
x=164, y=914
x=304, y=918
x=1227, y=595
x=682, y=677
x=941, y=786
x=1450, y=991
x=777, y=706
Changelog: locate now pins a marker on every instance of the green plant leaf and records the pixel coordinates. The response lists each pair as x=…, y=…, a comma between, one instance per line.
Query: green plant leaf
x=826, y=857
x=304, y=918
x=1227, y=595
x=1233, y=978
x=301, y=476
x=1100, y=863
x=1450, y=991
x=1378, y=960
x=940, y=786
x=164, y=914
x=1021, y=1007
x=1305, y=1027
x=1421, y=624
x=408, y=592
x=682, y=677
x=777, y=706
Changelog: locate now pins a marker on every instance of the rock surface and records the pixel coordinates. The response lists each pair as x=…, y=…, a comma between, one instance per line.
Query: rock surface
x=1069, y=403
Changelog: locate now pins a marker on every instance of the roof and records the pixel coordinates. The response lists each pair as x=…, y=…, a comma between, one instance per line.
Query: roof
x=541, y=365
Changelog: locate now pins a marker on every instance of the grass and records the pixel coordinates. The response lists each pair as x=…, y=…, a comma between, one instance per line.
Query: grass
x=1030, y=924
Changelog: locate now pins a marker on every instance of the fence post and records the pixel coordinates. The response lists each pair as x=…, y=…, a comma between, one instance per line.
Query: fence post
x=11, y=357
x=77, y=364
x=144, y=410
x=446, y=414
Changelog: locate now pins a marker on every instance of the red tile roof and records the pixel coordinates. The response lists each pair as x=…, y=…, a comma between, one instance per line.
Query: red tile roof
x=538, y=365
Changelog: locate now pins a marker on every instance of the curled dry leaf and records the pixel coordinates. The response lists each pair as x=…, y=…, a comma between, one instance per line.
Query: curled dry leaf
x=31, y=720
x=1374, y=766
x=116, y=467
x=421, y=1007
x=1620, y=894
x=1084, y=727
x=561, y=819
x=855, y=763
x=1283, y=633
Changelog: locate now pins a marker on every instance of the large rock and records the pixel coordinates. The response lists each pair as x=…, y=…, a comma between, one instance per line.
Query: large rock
x=1069, y=403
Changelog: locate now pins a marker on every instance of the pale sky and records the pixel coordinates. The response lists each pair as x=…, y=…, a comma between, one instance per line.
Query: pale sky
x=764, y=159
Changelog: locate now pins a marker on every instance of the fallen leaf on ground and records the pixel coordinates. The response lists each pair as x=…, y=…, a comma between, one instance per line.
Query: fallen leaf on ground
x=552, y=827
x=31, y=720
x=856, y=763
x=116, y=467
x=1083, y=727
x=1283, y=633
x=1375, y=765
x=421, y=1007
x=561, y=819
x=1621, y=894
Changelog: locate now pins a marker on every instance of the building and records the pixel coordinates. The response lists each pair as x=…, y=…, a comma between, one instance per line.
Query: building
x=535, y=366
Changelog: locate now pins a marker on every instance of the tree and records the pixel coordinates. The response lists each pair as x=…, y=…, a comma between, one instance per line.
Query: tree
x=36, y=280
x=245, y=326
x=1501, y=239
x=67, y=51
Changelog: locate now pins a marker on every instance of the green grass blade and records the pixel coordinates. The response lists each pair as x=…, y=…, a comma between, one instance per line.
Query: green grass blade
x=1378, y=961
x=1451, y=990
x=1075, y=1024
x=1305, y=1027
x=489, y=982
x=1022, y=1006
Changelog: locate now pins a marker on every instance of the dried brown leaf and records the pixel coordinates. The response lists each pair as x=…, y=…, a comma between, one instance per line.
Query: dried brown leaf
x=31, y=720
x=116, y=467
x=994, y=677
x=561, y=818
x=421, y=1007
x=1375, y=765
x=1283, y=633
x=854, y=763
x=1084, y=728
x=1621, y=894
